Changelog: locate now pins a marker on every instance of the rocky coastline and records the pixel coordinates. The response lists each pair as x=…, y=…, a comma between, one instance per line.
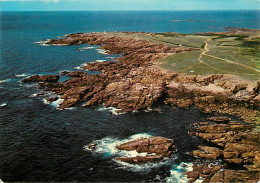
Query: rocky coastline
x=135, y=81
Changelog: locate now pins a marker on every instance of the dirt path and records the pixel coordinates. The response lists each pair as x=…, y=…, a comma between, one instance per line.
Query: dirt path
x=206, y=50
x=236, y=63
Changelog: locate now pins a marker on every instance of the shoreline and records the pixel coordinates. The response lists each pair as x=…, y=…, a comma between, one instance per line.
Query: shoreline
x=136, y=81
x=226, y=94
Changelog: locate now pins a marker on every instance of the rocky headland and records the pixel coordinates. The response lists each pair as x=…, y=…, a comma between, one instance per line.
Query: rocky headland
x=135, y=81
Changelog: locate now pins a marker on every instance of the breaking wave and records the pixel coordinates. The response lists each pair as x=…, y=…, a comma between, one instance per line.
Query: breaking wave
x=107, y=147
x=5, y=80
x=21, y=75
x=3, y=104
x=113, y=110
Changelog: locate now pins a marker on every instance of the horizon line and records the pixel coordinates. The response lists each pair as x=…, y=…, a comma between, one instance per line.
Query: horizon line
x=120, y=10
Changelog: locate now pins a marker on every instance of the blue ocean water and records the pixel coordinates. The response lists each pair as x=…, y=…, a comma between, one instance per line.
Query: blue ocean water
x=40, y=143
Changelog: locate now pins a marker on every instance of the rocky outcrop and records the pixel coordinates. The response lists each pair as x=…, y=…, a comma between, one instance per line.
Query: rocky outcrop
x=223, y=94
x=236, y=143
x=208, y=152
x=210, y=172
x=235, y=176
x=41, y=78
x=131, y=82
x=51, y=99
x=73, y=74
x=135, y=81
x=220, y=119
x=205, y=171
x=156, y=148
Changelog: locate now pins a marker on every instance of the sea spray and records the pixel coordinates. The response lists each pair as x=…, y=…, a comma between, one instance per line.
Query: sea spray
x=177, y=173
x=107, y=147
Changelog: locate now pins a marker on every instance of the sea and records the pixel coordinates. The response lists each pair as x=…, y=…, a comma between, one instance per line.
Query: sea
x=39, y=142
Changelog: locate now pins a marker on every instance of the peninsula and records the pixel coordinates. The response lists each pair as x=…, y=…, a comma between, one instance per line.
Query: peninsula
x=215, y=72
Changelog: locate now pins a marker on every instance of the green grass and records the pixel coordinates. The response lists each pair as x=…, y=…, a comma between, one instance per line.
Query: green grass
x=186, y=40
x=228, y=50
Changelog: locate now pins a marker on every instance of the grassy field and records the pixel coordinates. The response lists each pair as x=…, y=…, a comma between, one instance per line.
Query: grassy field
x=237, y=54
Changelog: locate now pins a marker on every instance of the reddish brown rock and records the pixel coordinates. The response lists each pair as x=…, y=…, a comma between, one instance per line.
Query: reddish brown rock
x=235, y=176
x=41, y=78
x=135, y=82
x=240, y=144
x=219, y=119
x=205, y=171
x=208, y=152
x=52, y=99
x=77, y=74
x=157, y=145
x=160, y=146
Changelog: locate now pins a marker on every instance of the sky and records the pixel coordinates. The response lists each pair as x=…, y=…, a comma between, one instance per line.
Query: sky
x=112, y=5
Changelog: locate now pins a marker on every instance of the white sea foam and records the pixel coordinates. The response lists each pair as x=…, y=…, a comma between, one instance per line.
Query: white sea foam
x=71, y=108
x=80, y=67
x=111, y=57
x=102, y=51
x=34, y=95
x=57, y=103
x=113, y=110
x=100, y=60
x=3, y=104
x=21, y=75
x=43, y=43
x=177, y=173
x=86, y=48
x=145, y=167
x=59, y=44
x=45, y=101
x=5, y=80
x=107, y=147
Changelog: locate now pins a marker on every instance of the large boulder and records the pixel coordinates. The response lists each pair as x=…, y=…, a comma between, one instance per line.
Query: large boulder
x=208, y=152
x=159, y=147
